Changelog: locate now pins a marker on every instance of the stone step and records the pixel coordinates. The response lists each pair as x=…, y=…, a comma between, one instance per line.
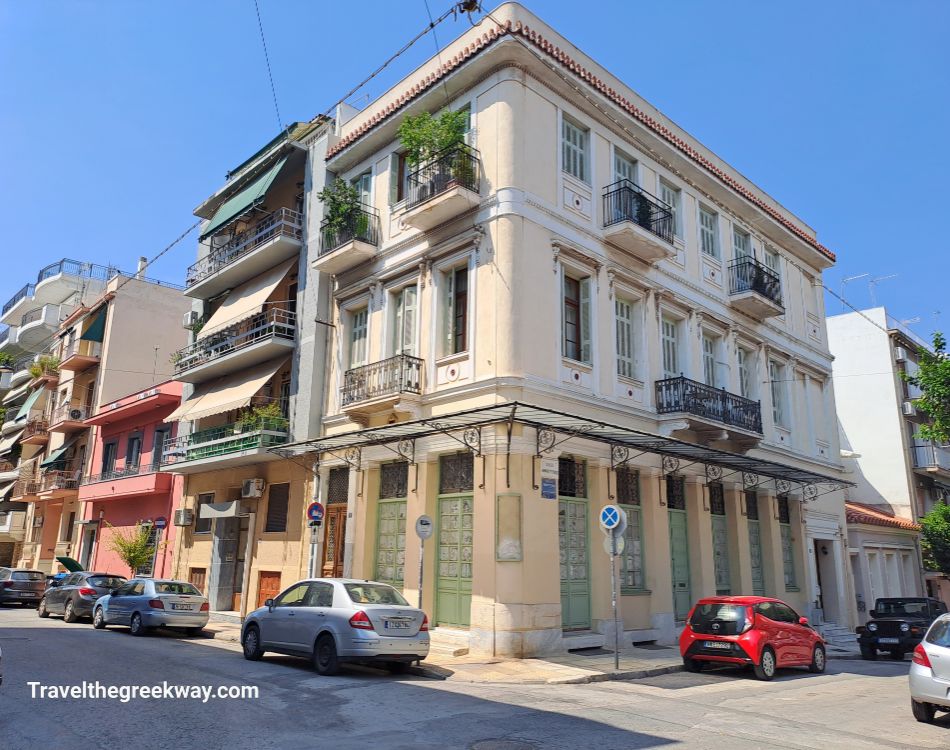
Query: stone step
x=448, y=641
x=233, y=618
x=583, y=639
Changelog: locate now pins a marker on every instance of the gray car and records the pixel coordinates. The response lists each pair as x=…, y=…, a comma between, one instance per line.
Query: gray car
x=77, y=594
x=21, y=585
x=146, y=603
x=334, y=620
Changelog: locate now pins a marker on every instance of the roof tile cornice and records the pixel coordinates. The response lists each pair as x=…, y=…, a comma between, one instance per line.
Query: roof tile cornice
x=521, y=30
x=860, y=513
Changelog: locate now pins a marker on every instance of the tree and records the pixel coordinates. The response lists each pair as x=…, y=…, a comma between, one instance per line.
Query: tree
x=933, y=379
x=935, y=538
x=423, y=136
x=133, y=546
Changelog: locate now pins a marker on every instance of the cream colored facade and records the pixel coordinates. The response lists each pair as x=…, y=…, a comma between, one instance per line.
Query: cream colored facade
x=521, y=244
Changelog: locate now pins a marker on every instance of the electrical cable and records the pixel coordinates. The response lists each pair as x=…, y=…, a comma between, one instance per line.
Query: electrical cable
x=270, y=76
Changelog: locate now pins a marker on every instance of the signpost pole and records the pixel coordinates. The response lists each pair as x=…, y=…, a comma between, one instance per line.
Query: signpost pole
x=613, y=597
x=422, y=549
x=424, y=528
x=315, y=531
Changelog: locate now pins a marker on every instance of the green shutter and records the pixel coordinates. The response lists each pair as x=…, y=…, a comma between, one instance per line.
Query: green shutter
x=97, y=329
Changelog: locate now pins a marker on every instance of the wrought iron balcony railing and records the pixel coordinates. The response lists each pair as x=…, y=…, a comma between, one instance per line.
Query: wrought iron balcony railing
x=363, y=225
x=81, y=348
x=390, y=377
x=70, y=413
x=125, y=471
x=284, y=222
x=930, y=456
x=243, y=333
x=746, y=274
x=684, y=395
x=626, y=201
x=26, y=291
x=35, y=427
x=59, y=479
x=457, y=166
x=77, y=268
x=257, y=432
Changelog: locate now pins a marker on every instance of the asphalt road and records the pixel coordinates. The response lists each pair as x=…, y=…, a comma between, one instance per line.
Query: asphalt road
x=856, y=705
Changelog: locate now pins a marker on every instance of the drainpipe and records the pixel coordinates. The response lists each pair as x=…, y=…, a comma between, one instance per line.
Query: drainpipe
x=248, y=552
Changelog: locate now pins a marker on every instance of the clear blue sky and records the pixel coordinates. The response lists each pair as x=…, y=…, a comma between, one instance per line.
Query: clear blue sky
x=119, y=117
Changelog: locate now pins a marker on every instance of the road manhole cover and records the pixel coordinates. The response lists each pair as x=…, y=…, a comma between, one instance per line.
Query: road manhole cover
x=503, y=745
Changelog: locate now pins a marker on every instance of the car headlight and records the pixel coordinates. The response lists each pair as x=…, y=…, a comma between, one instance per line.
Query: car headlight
x=872, y=627
x=905, y=627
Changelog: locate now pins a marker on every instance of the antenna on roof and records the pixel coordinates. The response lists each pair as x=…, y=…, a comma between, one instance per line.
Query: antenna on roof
x=874, y=282
x=847, y=280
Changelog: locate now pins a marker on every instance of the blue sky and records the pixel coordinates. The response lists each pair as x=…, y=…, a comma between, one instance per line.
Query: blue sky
x=119, y=117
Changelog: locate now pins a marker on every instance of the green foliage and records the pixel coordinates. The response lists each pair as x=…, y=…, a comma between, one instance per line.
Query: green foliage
x=933, y=379
x=6, y=360
x=423, y=136
x=261, y=417
x=132, y=545
x=341, y=202
x=47, y=364
x=935, y=538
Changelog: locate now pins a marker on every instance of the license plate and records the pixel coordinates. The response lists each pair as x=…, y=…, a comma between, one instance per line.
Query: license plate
x=181, y=606
x=27, y=593
x=888, y=640
x=724, y=645
x=396, y=625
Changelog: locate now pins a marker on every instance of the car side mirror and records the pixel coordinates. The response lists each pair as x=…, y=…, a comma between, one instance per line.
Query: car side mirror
x=803, y=621
x=269, y=603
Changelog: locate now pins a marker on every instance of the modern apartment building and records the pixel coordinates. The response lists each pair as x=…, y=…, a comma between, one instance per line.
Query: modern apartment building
x=897, y=474
x=580, y=304
x=253, y=377
x=107, y=347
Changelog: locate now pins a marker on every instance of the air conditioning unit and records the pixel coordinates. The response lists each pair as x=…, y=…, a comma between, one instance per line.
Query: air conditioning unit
x=252, y=488
x=909, y=409
x=76, y=415
x=900, y=354
x=184, y=517
x=190, y=318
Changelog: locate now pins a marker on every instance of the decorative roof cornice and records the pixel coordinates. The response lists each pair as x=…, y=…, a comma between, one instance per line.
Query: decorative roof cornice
x=518, y=29
x=867, y=514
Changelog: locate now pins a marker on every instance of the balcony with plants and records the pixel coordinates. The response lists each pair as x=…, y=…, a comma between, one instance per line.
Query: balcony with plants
x=391, y=384
x=755, y=288
x=45, y=369
x=243, y=441
x=349, y=232
x=712, y=412
x=445, y=176
x=261, y=244
x=637, y=221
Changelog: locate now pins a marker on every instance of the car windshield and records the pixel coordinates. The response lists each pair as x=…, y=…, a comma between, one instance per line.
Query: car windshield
x=719, y=619
x=899, y=608
x=28, y=575
x=374, y=593
x=175, y=587
x=107, y=582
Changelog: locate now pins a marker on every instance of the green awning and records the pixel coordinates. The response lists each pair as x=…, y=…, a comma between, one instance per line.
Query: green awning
x=57, y=454
x=71, y=565
x=28, y=404
x=244, y=200
x=96, y=330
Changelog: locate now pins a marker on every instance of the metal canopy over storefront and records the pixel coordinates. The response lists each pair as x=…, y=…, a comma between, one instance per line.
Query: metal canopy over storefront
x=626, y=444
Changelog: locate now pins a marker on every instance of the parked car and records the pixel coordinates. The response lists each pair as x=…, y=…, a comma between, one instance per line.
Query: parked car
x=145, y=603
x=897, y=625
x=755, y=631
x=21, y=585
x=335, y=620
x=75, y=597
x=930, y=672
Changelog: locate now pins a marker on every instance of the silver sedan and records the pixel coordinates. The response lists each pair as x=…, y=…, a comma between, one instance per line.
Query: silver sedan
x=930, y=672
x=334, y=620
x=145, y=603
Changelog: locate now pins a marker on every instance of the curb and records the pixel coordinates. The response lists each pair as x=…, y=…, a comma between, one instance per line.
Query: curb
x=439, y=673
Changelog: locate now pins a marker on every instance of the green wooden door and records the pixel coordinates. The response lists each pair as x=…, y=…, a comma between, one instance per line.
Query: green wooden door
x=679, y=564
x=575, y=573
x=391, y=542
x=454, y=584
x=755, y=553
x=720, y=535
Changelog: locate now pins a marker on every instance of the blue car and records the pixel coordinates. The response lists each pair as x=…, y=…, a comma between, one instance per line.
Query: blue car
x=146, y=603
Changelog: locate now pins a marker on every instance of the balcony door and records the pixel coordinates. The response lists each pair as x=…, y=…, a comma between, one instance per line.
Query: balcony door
x=364, y=185
x=404, y=321
x=669, y=339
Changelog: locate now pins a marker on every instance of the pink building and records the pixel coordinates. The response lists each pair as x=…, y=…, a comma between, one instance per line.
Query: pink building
x=124, y=484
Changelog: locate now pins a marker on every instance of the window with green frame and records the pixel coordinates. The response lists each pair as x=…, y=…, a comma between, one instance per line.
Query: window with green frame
x=632, y=577
x=788, y=549
x=391, y=524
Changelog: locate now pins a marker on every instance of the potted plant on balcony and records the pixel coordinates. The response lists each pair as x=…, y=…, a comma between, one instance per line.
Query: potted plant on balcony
x=261, y=417
x=424, y=137
x=343, y=215
x=6, y=362
x=45, y=365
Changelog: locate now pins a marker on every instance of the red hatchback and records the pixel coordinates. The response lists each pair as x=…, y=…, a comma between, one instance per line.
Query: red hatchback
x=749, y=630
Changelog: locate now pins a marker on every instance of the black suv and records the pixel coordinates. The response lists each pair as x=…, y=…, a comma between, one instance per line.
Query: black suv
x=897, y=625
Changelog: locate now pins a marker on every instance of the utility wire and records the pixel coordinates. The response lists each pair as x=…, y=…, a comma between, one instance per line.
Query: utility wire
x=270, y=75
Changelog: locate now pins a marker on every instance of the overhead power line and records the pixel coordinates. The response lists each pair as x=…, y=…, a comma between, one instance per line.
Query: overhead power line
x=270, y=75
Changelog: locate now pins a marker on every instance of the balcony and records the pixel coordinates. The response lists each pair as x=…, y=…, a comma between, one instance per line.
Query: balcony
x=25, y=487
x=345, y=247
x=384, y=385
x=38, y=325
x=69, y=418
x=43, y=370
x=246, y=343
x=21, y=371
x=54, y=283
x=714, y=412
x=56, y=484
x=236, y=444
x=754, y=288
x=9, y=472
x=131, y=481
x=443, y=188
x=9, y=337
x=80, y=355
x=638, y=222
x=275, y=238
x=15, y=301
x=36, y=432
x=931, y=459
x=12, y=525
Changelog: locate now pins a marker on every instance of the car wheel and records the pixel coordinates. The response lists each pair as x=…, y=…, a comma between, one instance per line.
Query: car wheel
x=252, y=643
x=818, y=660
x=98, y=619
x=325, y=660
x=692, y=665
x=923, y=712
x=69, y=614
x=136, y=627
x=897, y=655
x=41, y=608
x=868, y=653
x=765, y=669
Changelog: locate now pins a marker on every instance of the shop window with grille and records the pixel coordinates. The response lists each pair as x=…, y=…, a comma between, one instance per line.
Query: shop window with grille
x=338, y=485
x=784, y=514
x=628, y=486
x=456, y=473
x=571, y=478
x=717, y=499
x=675, y=492
x=632, y=578
x=393, y=480
x=752, y=505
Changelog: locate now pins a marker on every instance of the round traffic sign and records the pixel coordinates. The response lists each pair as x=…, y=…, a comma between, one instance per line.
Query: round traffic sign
x=424, y=527
x=610, y=517
x=161, y=522
x=609, y=542
x=315, y=511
